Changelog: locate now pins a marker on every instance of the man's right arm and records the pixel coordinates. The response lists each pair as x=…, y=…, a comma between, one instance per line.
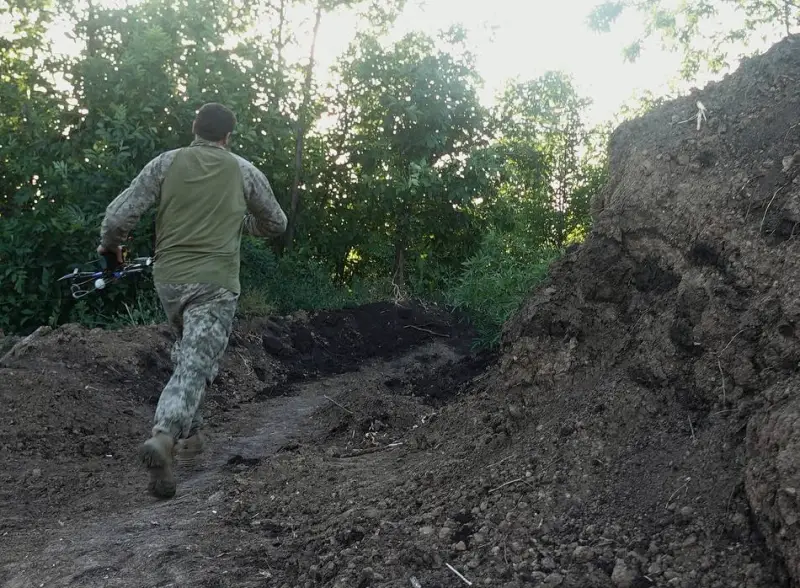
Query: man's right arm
x=264, y=218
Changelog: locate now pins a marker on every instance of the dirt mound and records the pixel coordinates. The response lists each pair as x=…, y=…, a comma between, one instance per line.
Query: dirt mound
x=640, y=428
x=337, y=342
x=665, y=350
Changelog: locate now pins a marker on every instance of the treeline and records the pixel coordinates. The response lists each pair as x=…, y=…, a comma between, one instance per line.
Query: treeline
x=397, y=180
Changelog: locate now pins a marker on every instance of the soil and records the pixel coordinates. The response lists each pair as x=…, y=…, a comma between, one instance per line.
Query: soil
x=79, y=402
x=638, y=426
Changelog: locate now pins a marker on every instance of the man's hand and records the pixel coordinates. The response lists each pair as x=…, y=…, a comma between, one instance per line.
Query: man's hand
x=116, y=250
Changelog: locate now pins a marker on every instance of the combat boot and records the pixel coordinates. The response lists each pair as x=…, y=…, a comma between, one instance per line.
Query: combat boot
x=188, y=450
x=157, y=455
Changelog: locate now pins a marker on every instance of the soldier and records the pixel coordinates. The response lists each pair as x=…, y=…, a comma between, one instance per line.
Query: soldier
x=206, y=197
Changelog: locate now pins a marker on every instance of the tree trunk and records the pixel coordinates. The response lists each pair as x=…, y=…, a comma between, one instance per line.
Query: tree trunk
x=280, y=44
x=91, y=51
x=400, y=245
x=566, y=172
x=398, y=272
x=787, y=15
x=301, y=131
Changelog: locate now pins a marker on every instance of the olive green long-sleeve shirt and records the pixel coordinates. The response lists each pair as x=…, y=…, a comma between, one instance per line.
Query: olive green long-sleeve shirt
x=206, y=198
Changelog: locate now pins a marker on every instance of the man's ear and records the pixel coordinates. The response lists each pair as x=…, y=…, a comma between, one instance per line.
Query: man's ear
x=227, y=139
x=194, y=124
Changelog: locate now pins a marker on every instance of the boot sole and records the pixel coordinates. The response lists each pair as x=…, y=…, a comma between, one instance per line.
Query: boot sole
x=162, y=481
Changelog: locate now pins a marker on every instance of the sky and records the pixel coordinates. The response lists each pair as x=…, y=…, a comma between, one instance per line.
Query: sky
x=516, y=39
x=525, y=38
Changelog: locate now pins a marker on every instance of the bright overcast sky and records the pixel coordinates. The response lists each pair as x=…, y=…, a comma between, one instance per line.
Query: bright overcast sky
x=525, y=38
x=514, y=38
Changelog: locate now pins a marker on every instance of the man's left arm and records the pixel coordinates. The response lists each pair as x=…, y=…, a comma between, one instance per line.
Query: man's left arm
x=126, y=209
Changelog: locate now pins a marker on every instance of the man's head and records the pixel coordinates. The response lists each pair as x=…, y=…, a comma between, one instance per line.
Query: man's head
x=214, y=122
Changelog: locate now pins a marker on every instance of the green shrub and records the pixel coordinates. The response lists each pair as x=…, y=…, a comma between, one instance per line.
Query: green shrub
x=256, y=302
x=36, y=249
x=296, y=281
x=496, y=280
x=144, y=309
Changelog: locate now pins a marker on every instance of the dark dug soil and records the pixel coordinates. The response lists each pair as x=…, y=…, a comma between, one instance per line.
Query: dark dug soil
x=338, y=342
x=639, y=428
x=86, y=397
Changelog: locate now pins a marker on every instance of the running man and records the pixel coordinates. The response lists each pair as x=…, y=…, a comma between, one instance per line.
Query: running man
x=206, y=197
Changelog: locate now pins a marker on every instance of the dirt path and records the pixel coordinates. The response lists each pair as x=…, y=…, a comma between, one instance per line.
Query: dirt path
x=143, y=541
x=138, y=541
x=74, y=510
x=140, y=544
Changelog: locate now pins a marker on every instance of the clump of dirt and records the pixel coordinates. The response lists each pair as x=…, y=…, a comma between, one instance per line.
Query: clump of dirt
x=326, y=343
x=442, y=383
x=386, y=404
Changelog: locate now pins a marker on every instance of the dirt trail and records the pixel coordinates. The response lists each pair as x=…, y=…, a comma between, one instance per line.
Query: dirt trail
x=143, y=542
x=135, y=544
x=74, y=509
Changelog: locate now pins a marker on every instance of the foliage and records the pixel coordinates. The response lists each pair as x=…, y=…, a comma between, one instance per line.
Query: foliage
x=294, y=281
x=407, y=117
x=127, y=102
x=552, y=162
x=410, y=178
x=496, y=280
x=709, y=34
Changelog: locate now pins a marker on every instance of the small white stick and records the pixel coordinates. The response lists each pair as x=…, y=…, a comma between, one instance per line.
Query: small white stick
x=766, y=210
x=692, y=429
x=701, y=114
x=344, y=408
x=452, y=569
x=686, y=483
x=427, y=331
x=415, y=583
x=506, y=484
x=731, y=341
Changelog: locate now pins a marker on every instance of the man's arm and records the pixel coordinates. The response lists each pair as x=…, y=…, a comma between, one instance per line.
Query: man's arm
x=264, y=218
x=126, y=209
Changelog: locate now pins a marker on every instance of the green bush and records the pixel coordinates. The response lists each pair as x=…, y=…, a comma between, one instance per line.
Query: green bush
x=36, y=249
x=296, y=281
x=496, y=280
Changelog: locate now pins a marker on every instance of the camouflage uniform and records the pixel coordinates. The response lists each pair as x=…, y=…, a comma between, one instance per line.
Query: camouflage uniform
x=264, y=219
x=200, y=315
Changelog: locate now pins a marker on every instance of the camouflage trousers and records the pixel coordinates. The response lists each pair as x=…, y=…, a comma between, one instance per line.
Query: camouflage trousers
x=201, y=318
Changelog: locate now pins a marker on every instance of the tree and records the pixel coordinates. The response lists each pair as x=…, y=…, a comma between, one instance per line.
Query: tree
x=66, y=155
x=412, y=178
x=380, y=13
x=407, y=119
x=32, y=107
x=710, y=34
x=548, y=152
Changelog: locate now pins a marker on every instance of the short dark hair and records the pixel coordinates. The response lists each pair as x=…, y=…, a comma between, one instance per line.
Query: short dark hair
x=214, y=121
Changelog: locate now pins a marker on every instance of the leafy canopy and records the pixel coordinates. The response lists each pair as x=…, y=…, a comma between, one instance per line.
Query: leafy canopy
x=710, y=35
